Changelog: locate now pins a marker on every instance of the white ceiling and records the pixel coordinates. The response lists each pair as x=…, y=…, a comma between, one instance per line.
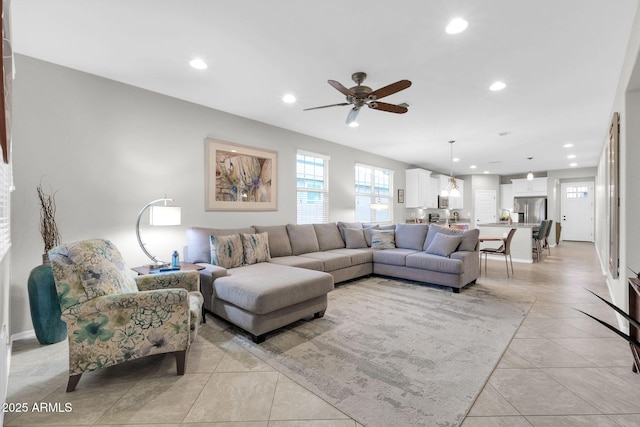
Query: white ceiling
x=561, y=61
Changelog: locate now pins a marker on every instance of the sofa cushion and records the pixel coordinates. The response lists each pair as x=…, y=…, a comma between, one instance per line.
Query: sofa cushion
x=343, y=225
x=443, y=245
x=354, y=238
x=328, y=236
x=392, y=256
x=303, y=238
x=199, y=244
x=227, y=251
x=266, y=287
x=383, y=239
x=299, y=261
x=469, y=237
x=358, y=256
x=438, y=263
x=279, y=244
x=331, y=261
x=256, y=247
x=411, y=236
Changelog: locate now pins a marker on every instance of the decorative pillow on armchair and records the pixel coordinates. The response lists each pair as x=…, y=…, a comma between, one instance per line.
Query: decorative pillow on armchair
x=99, y=266
x=227, y=251
x=256, y=248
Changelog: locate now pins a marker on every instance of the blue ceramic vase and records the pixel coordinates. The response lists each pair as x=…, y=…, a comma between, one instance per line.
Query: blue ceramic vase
x=45, y=305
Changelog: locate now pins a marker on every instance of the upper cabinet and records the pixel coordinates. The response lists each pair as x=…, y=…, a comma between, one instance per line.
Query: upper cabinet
x=418, y=189
x=526, y=188
x=506, y=196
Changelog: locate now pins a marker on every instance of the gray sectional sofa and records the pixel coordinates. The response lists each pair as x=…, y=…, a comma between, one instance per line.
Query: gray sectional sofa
x=304, y=261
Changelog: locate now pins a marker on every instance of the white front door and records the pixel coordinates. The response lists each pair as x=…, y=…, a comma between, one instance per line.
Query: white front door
x=485, y=207
x=577, y=211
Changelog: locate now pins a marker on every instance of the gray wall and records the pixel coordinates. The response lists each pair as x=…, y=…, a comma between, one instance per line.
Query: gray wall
x=108, y=149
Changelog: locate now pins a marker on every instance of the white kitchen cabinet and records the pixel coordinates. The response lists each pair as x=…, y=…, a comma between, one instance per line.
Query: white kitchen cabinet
x=418, y=188
x=527, y=188
x=434, y=193
x=506, y=196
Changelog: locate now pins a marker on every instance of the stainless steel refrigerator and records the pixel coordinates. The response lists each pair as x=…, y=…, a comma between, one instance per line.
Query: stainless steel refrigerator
x=531, y=210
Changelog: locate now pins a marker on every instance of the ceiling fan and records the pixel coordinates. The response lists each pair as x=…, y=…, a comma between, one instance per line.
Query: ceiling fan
x=361, y=95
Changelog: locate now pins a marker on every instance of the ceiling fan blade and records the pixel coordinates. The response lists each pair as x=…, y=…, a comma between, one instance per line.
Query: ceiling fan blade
x=391, y=108
x=353, y=114
x=327, y=106
x=340, y=88
x=390, y=89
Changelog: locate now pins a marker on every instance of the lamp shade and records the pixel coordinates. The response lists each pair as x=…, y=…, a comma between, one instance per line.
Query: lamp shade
x=164, y=215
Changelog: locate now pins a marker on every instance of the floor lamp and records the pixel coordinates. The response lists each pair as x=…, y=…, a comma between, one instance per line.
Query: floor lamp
x=162, y=215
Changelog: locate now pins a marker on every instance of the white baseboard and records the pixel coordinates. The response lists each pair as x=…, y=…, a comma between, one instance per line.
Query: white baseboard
x=24, y=335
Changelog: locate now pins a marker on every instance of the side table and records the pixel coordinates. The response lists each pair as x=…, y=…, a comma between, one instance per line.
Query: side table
x=184, y=266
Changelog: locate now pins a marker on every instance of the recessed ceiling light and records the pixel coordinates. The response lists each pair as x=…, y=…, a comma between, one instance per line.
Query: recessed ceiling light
x=455, y=159
x=571, y=156
x=569, y=145
x=486, y=172
x=456, y=26
x=472, y=167
x=353, y=125
x=198, y=64
x=573, y=165
x=289, y=98
x=496, y=86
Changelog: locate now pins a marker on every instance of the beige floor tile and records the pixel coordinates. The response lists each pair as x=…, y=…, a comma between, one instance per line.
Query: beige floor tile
x=229, y=424
x=512, y=360
x=600, y=388
x=293, y=402
x=573, y=421
x=237, y=359
x=157, y=399
x=627, y=420
x=136, y=425
x=495, y=422
x=313, y=423
x=601, y=352
x=546, y=353
x=532, y=392
x=203, y=357
x=235, y=396
x=552, y=328
x=491, y=403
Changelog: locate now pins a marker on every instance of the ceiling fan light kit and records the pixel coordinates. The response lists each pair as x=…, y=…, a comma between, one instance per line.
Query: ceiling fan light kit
x=360, y=95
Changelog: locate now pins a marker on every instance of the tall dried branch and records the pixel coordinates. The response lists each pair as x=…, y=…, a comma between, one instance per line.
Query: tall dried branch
x=48, y=226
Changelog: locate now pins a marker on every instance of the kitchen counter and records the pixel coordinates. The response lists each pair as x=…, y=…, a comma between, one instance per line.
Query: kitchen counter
x=521, y=243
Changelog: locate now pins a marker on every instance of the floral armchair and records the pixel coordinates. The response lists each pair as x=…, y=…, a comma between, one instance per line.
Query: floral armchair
x=113, y=317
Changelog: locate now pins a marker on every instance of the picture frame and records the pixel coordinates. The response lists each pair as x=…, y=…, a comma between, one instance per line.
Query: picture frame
x=400, y=195
x=239, y=177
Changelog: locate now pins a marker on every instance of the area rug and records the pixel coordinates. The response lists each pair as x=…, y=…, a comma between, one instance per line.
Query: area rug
x=395, y=353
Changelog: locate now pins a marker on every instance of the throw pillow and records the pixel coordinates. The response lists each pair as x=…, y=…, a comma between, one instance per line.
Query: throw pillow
x=354, y=238
x=256, y=248
x=227, y=251
x=100, y=268
x=443, y=245
x=383, y=239
x=367, y=232
x=303, y=238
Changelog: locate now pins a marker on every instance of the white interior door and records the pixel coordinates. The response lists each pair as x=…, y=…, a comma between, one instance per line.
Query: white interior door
x=485, y=207
x=577, y=211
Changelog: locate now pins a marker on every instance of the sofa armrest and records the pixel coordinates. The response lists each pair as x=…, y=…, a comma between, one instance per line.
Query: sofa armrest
x=464, y=255
x=212, y=271
x=188, y=279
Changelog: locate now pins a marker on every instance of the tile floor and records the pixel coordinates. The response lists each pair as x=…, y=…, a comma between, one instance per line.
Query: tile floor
x=561, y=369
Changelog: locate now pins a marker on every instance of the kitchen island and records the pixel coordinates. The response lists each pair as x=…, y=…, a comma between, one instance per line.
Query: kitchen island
x=521, y=243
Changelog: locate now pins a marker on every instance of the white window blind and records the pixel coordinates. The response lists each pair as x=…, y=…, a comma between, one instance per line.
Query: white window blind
x=312, y=177
x=373, y=194
x=6, y=185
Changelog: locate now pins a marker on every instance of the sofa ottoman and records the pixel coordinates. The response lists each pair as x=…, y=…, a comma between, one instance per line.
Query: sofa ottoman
x=262, y=297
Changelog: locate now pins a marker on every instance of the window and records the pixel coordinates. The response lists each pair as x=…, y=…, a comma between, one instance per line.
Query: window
x=312, y=173
x=374, y=194
x=577, y=192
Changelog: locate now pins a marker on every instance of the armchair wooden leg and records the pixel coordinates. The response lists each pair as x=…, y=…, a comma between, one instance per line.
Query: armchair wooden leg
x=73, y=382
x=181, y=361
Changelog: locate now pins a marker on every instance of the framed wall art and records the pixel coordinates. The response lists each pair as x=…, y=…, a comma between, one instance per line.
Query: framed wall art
x=240, y=178
x=400, y=195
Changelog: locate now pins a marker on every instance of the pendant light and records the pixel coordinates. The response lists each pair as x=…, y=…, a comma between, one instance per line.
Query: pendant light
x=452, y=189
x=530, y=174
